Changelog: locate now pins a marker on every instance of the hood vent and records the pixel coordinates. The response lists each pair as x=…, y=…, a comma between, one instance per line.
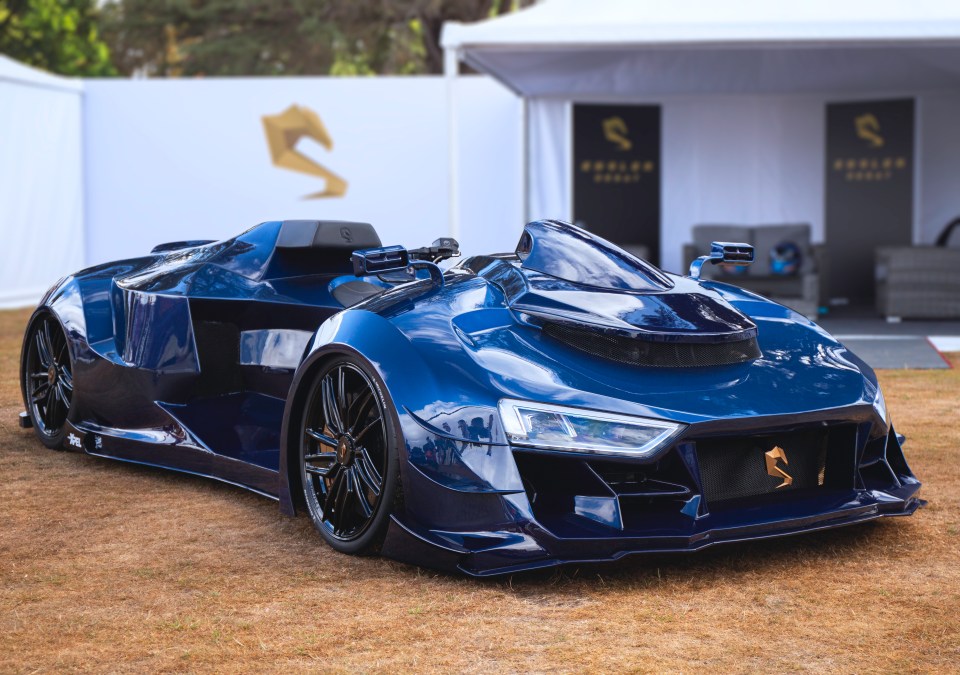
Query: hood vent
x=639, y=352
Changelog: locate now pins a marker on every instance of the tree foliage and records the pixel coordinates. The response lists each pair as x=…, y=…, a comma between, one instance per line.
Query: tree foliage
x=294, y=37
x=57, y=35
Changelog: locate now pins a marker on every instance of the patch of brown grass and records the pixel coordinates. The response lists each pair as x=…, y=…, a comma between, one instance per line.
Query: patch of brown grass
x=111, y=567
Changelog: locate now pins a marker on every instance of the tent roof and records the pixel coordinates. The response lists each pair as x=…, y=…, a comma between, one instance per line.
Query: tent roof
x=630, y=47
x=14, y=71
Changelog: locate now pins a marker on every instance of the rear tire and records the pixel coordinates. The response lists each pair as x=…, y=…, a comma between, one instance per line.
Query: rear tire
x=349, y=456
x=46, y=379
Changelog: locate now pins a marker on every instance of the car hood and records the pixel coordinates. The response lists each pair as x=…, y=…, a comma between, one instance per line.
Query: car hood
x=488, y=333
x=480, y=349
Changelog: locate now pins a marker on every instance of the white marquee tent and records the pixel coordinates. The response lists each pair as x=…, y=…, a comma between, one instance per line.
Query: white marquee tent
x=41, y=180
x=742, y=83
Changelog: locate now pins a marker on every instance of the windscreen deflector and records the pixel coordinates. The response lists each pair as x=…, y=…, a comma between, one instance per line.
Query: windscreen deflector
x=570, y=253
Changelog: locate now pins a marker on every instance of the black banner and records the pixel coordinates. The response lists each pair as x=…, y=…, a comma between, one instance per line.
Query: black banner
x=616, y=169
x=869, y=200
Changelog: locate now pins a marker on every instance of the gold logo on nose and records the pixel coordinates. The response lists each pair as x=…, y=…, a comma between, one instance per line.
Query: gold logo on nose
x=771, y=457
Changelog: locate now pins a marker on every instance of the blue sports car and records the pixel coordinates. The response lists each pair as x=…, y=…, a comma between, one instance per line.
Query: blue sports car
x=567, y=402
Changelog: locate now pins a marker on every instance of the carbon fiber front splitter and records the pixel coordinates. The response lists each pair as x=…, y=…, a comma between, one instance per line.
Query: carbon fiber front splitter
x=533, y=546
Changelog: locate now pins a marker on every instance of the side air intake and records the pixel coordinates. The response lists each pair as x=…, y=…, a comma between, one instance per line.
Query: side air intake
x=639, y=352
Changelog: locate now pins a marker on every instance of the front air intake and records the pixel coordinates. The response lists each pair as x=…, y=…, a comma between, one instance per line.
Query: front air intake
x=638, y=352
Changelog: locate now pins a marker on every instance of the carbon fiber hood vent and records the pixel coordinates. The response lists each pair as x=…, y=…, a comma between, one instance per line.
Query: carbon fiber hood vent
x=639, y=352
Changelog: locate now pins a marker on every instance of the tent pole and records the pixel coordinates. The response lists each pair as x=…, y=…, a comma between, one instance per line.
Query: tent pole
x=451, y=66
x=525, y=159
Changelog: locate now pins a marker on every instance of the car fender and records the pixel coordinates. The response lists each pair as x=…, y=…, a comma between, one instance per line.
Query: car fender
x=475, y=464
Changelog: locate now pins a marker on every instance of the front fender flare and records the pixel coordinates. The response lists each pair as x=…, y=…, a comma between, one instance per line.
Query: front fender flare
x=357, y=333
x=479, y=463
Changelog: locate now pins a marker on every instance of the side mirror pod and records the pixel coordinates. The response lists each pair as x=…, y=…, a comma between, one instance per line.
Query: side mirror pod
x=441, y=249
x=373, y=261
x=728, y=253
x=378, y=260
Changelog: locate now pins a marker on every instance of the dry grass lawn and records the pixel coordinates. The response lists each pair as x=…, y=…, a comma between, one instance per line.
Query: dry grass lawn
x=111, y=567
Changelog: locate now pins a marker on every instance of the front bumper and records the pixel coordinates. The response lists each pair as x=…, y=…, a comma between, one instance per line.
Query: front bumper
x=579, y=510
x=506, y=552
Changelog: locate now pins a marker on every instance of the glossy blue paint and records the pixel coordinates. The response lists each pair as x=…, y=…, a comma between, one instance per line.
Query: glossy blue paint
x=196, y=358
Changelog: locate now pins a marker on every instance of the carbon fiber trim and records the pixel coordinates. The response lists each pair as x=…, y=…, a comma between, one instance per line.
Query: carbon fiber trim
x=737, y=468
x=639, y=352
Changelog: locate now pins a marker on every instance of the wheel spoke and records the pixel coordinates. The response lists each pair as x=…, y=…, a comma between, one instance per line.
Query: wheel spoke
x=333, y=476
x=368, y=473
x=323, y=438
x=359, y=437
x=48, y=342
x=332, y=509
x=330, y=413
x=374, y=469
x=62, y=394
x=323, y=472
x=50, y=406
x=42, y=375
x=66, y=380
x=45, y=359
x=40, y=392
x=319, y=455
x=355, y=413
x=343, y=501
x=341, y=393
x=361, y=494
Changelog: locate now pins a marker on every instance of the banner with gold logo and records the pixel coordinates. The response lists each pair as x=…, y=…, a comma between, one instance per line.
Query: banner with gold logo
x=616, y=169
x=869, y=190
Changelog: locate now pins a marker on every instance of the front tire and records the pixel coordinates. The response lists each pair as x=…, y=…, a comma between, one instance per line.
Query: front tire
x=46, y=372
x=349, y=456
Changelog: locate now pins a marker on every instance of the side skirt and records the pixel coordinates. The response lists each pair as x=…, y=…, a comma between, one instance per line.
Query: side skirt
x=118, y=445
x=189, y=473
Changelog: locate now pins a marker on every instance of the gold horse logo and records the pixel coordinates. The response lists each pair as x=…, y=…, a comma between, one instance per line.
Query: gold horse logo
x=285, y=130
x=771, y=457
x=868, y=128
x=615, y=130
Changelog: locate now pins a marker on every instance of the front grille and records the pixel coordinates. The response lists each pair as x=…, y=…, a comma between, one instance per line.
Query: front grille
x=587, y=497
x=737, y=468
x=639, y=352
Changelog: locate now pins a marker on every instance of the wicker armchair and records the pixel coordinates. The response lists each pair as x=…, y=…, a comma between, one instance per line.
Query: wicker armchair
x=918, y=282
x=921, y=282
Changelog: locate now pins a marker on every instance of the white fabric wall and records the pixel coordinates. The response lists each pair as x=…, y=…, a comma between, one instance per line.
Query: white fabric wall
x=749, y=160
x=550, y=157
x=186, y=159
x=490, y=166
x=744, y=160
x=41, y=183
x=939, y=147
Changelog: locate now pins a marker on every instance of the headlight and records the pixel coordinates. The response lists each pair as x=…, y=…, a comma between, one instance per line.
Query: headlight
x=880, y=405
x=551, y=427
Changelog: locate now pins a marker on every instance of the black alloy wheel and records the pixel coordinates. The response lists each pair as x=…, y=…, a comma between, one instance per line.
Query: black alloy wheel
x=348, y=457
x=47, y=374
